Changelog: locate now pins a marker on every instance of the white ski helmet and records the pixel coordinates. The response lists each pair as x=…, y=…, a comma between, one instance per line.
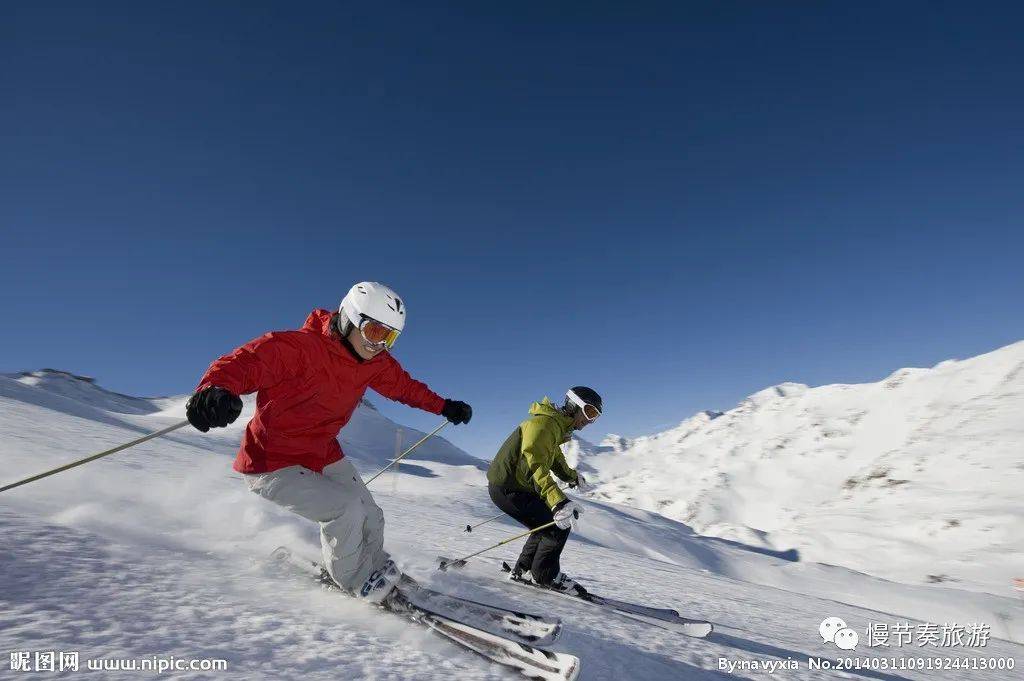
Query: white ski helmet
x=376, y=301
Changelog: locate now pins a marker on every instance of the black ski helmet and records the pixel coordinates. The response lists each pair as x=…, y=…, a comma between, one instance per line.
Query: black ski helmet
x=588, y=395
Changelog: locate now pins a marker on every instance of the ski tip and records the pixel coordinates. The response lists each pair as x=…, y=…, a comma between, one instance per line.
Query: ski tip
x=505, y=567
x=571, y=670
x=702, y=630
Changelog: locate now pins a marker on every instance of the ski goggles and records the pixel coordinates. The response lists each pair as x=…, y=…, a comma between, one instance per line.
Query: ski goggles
x=590, y=412
x=378, y=333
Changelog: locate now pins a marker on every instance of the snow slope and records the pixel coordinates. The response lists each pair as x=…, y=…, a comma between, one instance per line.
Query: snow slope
x=160, y=550
x=916, y=478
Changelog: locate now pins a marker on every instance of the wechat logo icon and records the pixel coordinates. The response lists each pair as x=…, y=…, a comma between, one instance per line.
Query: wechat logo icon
x=834, y=630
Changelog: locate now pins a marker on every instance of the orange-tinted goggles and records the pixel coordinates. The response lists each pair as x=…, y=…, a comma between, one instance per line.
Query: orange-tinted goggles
x=378, y=333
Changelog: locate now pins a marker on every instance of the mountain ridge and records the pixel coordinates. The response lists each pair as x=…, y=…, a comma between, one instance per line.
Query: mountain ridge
x=858, y=475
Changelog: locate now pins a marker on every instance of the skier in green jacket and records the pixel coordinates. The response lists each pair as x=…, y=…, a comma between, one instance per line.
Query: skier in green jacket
x=520, y=483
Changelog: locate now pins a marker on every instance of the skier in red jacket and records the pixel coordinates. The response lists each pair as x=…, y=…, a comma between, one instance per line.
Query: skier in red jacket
x=307, y=384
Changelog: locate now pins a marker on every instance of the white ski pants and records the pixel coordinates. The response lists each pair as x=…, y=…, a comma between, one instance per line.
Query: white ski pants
x=351, y=523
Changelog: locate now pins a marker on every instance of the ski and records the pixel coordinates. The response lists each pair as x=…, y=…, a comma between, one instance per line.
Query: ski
x=526, y=627
x=413, y=602
x=664, y=618
x=533, y=629
x=531, y=662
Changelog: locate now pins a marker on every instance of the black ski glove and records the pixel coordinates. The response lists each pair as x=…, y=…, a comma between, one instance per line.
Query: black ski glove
x=580, y=483
x=457, y=412
x=212, y=407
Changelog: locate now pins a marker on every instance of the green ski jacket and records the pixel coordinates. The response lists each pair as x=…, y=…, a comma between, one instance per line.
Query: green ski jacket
x=531, y=453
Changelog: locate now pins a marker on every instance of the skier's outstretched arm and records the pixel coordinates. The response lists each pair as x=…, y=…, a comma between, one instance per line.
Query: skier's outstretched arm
x=260, y=363
x=395, y=383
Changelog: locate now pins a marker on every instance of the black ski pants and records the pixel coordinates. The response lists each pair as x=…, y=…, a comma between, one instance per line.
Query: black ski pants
x=540, y=556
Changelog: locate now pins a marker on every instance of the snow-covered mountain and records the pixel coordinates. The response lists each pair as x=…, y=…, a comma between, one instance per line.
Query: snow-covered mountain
x=915, y=478
x=161, y=551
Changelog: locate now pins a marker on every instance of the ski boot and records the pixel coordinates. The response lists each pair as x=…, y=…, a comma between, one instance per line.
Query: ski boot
x=381, y=583
x=565, y=584
x=517, y=574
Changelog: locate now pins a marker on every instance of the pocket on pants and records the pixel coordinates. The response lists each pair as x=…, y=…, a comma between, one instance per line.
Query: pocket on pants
x=265, y=484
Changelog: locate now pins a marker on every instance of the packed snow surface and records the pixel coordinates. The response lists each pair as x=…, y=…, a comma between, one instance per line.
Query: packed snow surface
x=160, y=550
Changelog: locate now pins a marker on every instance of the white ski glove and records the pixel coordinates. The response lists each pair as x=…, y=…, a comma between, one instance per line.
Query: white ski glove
x=581, y=485
x=567, y=515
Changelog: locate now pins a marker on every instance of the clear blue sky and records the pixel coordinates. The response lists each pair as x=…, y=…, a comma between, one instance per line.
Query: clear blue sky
x=676, y=203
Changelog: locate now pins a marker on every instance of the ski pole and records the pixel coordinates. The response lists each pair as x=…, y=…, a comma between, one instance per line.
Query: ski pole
x=445, y=564
x=406, y=452
x=94, y=457
x=470, y=528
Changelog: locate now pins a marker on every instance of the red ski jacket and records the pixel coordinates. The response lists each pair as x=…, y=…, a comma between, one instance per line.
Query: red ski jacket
x=307, y=385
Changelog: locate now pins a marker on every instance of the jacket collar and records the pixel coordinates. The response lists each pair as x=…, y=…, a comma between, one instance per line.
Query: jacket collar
x=546, y=408
x=321, y=322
